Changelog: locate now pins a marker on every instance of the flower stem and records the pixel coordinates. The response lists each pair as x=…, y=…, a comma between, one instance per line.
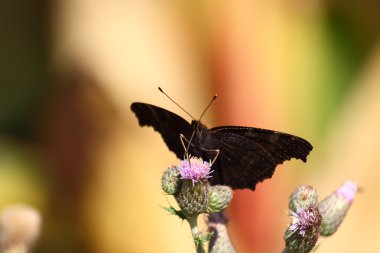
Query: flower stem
x=195, y=232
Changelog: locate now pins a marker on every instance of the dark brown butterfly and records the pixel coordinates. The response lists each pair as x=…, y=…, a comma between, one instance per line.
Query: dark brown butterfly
x=247, y=155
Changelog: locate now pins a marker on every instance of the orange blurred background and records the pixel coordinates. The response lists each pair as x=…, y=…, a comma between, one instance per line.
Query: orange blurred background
x=70, y=146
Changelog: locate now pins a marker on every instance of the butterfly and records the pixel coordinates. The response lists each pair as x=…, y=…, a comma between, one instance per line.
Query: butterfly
x=245, y=155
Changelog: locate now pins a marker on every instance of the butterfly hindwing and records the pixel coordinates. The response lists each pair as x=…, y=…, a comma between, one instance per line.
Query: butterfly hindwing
x=168, y=124
x=249, y=155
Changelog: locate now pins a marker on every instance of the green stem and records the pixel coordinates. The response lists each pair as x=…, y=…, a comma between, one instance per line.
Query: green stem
x=194, y=231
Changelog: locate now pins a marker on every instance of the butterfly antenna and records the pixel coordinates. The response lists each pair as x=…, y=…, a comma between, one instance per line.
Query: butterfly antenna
x=209, y=104
x=204, y=111
x=159, y=88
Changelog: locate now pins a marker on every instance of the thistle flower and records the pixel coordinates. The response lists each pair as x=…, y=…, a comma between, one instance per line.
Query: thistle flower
x=302, y=235
x=220, y=198
x=303, y=197
x=195, y=169
x=302, y=220
x=335, y=207
x=193, y=192
x=170, y=180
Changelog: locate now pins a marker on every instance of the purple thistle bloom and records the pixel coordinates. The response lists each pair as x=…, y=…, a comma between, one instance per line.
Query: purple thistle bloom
x=195, y=169
x=304, y=220
x=302, y=235
x=347, y=191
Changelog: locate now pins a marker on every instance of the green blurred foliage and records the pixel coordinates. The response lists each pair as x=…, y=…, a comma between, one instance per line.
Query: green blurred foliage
x=24, y=52
x=21, y=178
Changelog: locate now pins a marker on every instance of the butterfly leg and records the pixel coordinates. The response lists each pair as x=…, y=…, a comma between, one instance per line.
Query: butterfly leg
x=216, y=156
x=186, y=148
x=182, y=138
x=217, y=152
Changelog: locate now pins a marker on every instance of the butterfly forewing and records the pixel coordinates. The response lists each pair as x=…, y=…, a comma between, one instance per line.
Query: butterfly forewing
x=168, y=124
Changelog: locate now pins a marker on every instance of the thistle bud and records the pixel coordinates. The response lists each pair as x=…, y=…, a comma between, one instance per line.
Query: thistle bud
x=220, y=241
x=334, y=207
x=170, y=180
x=193, y=198
x=303, y=197
x=220, y=198
x=302, y=235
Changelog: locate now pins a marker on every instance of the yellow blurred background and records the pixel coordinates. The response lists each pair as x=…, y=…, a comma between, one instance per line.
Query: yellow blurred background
x=71, y=147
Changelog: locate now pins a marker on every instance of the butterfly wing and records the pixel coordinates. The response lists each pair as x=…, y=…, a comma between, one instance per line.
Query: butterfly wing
x=168, y=124
x=250, y=155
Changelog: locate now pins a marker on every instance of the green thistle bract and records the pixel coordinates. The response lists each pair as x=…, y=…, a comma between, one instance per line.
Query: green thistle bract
x=220, y=198
x=170, y=180
x=303, y=197
x=193, y=198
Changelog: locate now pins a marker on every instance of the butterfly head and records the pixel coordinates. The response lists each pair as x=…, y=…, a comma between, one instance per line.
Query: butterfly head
x=197, y=125
x=198, y=130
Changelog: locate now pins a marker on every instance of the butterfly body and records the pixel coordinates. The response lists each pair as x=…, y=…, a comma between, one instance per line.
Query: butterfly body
x=247, y=155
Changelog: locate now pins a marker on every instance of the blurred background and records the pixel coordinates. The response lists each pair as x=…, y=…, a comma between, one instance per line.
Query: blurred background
x=70, y=146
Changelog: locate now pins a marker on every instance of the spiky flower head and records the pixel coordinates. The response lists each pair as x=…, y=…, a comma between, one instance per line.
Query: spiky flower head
x=193, y=198
x=220, y=198
x=335, y=207
x=220, y=241
x=170, y=180
x=195, y=169
x=303, y=233
x=303, y=220
x=302, y=198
